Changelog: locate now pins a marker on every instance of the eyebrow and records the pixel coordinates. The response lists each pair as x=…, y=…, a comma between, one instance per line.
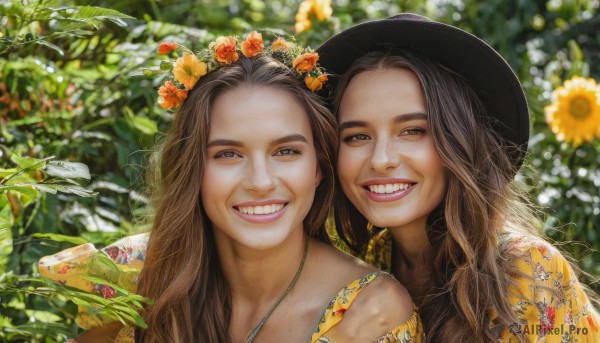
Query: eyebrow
x=230, y=142
x=397, y=120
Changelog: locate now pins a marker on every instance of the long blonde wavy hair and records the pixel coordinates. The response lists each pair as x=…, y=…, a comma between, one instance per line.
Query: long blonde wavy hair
x=483, y=209
x=181, y=273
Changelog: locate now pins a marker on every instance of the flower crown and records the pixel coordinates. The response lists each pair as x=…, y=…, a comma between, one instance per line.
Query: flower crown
x=190, y=67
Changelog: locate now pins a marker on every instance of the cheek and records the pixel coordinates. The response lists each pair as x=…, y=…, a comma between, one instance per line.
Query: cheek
x=349, y=166
x=215, y=186
x=437, y=175
x=303, y=179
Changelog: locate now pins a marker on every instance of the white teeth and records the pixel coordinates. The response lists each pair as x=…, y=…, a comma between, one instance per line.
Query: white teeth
x=266, y=209
x=388, y=188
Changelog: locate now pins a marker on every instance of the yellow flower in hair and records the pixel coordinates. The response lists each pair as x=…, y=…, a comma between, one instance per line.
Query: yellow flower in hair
x=574, y=116
x=252, y=45
x=225, y=49
x=188, y=69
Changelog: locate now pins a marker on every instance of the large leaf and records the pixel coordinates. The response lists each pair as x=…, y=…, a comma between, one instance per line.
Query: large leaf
x=67, y=170
x=74, y=189
x=98, y=13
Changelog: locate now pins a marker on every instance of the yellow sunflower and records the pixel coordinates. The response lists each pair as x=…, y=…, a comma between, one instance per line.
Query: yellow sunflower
x=574, y=116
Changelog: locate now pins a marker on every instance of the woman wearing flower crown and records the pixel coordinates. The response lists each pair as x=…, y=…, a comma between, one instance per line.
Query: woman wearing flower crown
x=433, y=127
x=238, y=250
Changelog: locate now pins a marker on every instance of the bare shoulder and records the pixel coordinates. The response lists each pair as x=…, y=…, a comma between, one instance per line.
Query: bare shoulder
x=340, y=264
x=387, y=299
x=383, y=305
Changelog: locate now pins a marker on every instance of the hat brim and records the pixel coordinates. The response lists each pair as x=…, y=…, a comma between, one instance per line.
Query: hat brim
x=484, y=69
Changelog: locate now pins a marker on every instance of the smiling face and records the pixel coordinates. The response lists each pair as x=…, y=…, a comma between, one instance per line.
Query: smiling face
x=261, y=169
x=388, y=165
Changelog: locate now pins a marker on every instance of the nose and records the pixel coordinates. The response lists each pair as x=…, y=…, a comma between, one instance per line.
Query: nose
x=259, y=176
x=385, y=156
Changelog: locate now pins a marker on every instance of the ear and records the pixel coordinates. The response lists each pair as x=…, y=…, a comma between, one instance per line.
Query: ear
x=318, y=177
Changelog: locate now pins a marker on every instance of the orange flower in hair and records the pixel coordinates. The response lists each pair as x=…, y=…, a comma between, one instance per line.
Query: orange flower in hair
x=225, y=49
x=166, y=47
x=191, y=66
x=188, y=69
x=170, y=96
x=306, y=62
x=315, y=83
x=252, y=45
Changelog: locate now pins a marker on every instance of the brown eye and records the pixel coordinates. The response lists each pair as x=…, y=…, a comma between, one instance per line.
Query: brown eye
x=226, y=154
x=413, y=132
x=357, y=137
x=288, y=151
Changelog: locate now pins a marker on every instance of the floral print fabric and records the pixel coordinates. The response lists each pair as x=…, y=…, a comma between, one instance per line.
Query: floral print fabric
x=69, y=267
x=410, y=331
x=545, y=294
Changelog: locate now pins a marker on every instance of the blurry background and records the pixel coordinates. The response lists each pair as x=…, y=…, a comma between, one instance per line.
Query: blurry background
x=72, y=88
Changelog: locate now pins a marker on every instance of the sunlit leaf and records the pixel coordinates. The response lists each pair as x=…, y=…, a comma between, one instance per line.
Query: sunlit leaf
x=67, y=170
x=28, y=190
x=60, y=238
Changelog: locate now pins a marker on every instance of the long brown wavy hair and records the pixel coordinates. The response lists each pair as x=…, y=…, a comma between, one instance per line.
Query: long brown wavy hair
x=192, y=301
x=483, y=210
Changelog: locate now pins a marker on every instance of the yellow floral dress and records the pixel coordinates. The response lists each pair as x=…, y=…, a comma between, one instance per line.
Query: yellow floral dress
x=70, y=265
x=409, y=332
x=545, y=294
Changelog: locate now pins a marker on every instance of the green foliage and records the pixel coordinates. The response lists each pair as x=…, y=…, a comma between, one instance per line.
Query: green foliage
x=547, y=42
x=73, y=93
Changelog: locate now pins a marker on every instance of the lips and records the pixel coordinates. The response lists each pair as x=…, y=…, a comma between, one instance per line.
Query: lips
x=264, y=209
x=262, y=212
x=388, y=190
x=388, y=187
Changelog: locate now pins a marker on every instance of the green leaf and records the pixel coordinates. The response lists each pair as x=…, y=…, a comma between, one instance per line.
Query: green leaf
x=60, y=238
x=51, y=46
x=6, y=172
x=144, y=125
x=77, y=190
x=43, y=316
x=26, y=189
x=25, y=162
x=44, y=188
x=26, y=121
x=67, y=170
x=92, y=12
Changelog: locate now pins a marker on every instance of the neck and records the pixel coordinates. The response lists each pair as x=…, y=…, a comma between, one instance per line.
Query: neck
x=260, y=276
x=410, y=245
x=409, y=259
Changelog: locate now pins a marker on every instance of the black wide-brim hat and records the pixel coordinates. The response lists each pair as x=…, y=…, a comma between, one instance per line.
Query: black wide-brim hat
x=479, y=64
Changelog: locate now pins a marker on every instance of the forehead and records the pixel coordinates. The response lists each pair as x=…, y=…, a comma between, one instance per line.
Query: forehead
x=256, y=111
x=375, y=93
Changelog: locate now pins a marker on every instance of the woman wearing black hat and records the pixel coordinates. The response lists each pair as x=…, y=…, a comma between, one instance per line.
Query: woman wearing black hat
x=433, y=128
